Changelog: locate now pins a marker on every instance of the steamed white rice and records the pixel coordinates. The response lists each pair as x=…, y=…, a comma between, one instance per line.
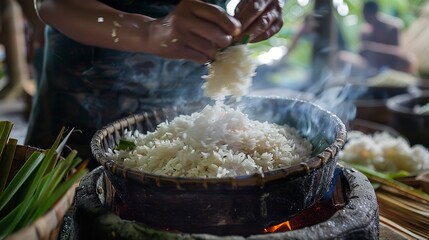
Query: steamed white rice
x=230, y=73
x=218, y=142
x=383, y=152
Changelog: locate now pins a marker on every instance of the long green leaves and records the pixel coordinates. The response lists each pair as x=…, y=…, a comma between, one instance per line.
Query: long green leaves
x=6, y=162
x=387, y=180
x=40, y=182
x=20, y=178
x=5, y=129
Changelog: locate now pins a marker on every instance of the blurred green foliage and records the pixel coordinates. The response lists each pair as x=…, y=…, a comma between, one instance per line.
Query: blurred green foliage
x=294, y=68
x=294, y=12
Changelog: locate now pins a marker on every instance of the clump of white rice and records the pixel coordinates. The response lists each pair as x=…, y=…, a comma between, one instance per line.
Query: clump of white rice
x=230, y=73
x=383, y=152
x=423, y=109
x=392, y=78
x=218, y=142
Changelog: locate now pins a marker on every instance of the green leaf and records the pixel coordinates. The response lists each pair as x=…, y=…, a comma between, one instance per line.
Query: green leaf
x=57, y=176
x=5, y=129
x=384, y=179
x=6, y=162
x=245, y=39
x=5, y=223
x=20, y=177
x=59, y=191
x=399, y=174
x=125, y=145
x=44, y=187
x=38, y=185
x=24, y=206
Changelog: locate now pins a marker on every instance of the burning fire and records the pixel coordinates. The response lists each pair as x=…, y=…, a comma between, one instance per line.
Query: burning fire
x=282, y=227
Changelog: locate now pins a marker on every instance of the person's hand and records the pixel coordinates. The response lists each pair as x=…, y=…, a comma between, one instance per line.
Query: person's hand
x=194, y=30
x=260, y=19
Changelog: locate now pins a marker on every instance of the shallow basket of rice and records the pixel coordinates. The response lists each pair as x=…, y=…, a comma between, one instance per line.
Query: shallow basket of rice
x=229, y=168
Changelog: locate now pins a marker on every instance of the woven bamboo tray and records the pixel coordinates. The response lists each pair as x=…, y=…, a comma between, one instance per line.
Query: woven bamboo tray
x=47, y=226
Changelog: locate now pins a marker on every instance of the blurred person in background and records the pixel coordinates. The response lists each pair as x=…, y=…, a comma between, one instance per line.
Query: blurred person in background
x=380, y=45
x=105, y=60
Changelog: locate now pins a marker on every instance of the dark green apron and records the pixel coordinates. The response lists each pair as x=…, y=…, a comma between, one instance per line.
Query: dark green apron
x=85, y=87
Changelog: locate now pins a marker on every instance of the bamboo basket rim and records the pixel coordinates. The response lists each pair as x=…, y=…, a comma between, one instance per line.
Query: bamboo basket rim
x=48, y=225
x=304, y=168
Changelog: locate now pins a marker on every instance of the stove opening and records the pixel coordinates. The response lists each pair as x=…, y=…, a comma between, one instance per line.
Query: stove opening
x=333, y=200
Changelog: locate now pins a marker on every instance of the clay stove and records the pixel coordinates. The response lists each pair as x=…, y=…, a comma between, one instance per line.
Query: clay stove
x=348, y=210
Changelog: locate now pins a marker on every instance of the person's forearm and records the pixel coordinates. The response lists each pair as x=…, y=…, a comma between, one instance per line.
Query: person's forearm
x=193, y=30
x=94, y=23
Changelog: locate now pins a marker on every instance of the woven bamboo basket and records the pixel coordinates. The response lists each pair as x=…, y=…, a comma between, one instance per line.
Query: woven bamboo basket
x=225, y=205
x=49, y=225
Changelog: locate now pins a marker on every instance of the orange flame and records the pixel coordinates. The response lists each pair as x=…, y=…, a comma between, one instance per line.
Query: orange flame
x=282, y=227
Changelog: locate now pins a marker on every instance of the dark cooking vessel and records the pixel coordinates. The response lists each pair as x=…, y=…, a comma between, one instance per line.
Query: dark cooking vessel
x=241, y=205
x=413, y=126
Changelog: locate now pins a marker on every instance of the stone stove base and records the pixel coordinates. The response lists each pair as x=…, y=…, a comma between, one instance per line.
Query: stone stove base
x=89, y=219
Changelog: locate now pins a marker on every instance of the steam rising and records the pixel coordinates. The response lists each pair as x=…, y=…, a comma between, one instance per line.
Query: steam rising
x=338, y=101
